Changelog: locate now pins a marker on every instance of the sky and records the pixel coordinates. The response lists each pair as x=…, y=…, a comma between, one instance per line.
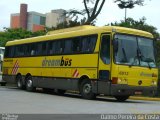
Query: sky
x=110, y=11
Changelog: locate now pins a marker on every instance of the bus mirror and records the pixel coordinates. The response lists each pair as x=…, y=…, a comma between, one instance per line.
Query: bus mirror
x=115, y=46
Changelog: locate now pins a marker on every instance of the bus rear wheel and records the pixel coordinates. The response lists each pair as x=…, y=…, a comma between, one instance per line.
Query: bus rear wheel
x=86, y=90
x=29, y=84
x=19, y=82
x=121, y=98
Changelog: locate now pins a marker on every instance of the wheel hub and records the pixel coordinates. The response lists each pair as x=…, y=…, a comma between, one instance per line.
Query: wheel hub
x=87, y=88
x=19, y=83
x=29, y=83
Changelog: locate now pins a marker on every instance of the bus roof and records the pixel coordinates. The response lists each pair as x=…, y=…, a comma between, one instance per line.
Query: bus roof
x=78, y=31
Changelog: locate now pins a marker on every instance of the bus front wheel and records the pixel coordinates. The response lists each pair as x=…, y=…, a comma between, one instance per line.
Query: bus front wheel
x=121, y=98
x=86, y=90
x=29, y=84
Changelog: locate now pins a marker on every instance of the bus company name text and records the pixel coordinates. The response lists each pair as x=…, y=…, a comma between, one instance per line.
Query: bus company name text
x=57, y=62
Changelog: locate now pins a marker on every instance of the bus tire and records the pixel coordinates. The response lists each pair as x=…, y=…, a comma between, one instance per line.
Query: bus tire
x=121, y=98
x=19, y=82
x=86, y=90
x=29, y=84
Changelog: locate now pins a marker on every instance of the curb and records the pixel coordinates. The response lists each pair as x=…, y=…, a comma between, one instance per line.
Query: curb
x=145, y=98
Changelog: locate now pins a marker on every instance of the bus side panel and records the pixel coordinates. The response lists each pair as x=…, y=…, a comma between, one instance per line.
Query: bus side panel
x=61, y=72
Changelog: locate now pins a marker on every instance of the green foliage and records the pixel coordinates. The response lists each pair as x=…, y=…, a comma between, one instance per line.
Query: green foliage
x=18, y=33
x=129, y=3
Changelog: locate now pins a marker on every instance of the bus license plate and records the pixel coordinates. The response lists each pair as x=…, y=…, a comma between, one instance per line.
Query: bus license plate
x=138, y=92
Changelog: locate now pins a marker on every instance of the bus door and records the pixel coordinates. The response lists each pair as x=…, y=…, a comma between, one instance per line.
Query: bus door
x=104, y=65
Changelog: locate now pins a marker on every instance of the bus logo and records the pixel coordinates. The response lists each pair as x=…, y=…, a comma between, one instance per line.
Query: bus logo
x=56, y=62
x=15, y=68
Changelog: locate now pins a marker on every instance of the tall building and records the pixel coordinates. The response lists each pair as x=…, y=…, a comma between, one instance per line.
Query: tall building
x=15, y=20
x=32, y=21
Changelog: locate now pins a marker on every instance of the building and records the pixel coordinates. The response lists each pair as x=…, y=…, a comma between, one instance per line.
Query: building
x=32, y=21
x=36, y=21
x=55, y=17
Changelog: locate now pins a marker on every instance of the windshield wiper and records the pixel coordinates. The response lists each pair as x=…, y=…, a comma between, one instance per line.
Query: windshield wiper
x=148, y=60
x=137, y=57
x=142, y=58
x=134, y=60
x=124, y=54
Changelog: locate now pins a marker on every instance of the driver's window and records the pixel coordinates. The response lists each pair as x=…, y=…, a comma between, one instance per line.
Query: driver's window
x=105, y=49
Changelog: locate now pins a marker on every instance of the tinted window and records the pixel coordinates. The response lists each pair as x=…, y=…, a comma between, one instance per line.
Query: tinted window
x=77, y=45
x=88, y=43
x=105, y=49
x=19, y=51
x=41, y=48
x=67, y=46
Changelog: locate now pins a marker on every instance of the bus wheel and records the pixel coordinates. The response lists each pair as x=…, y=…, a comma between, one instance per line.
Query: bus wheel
x=29, y=84
x=86, y=90
x=121, y=98
x=19, y=82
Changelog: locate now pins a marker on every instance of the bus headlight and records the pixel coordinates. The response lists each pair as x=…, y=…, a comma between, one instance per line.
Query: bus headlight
x=116, y=80
x=154, y=82
x=122, y=81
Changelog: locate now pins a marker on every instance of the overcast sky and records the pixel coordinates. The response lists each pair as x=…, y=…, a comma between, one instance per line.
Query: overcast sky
x=110, y=12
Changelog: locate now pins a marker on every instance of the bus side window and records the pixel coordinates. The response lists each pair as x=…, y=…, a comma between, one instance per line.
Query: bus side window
x=105, y=49
x=77, y=45
x=44, y=48
x=27, y=50
x=9, y=51
x=51, y=47
x=58, y=48
x=41, y=48
x=88, y=43
x=19, y=51
x=67, y=46
x=33, y=49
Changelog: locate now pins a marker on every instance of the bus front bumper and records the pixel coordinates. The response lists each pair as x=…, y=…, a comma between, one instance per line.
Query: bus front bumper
x=126, y=90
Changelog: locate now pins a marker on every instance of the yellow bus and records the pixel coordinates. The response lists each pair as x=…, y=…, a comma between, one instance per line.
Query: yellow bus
x=109, y=60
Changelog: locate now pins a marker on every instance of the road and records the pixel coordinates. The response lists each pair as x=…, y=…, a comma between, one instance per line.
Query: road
x=13, y=100
x=23, y=105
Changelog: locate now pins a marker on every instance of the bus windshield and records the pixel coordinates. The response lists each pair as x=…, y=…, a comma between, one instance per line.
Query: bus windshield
x=134, y=51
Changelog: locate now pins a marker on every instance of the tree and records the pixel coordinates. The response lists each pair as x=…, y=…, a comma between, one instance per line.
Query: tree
x=18, y=33
x=123, y=4
x=89, y=13
x=140, y=24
